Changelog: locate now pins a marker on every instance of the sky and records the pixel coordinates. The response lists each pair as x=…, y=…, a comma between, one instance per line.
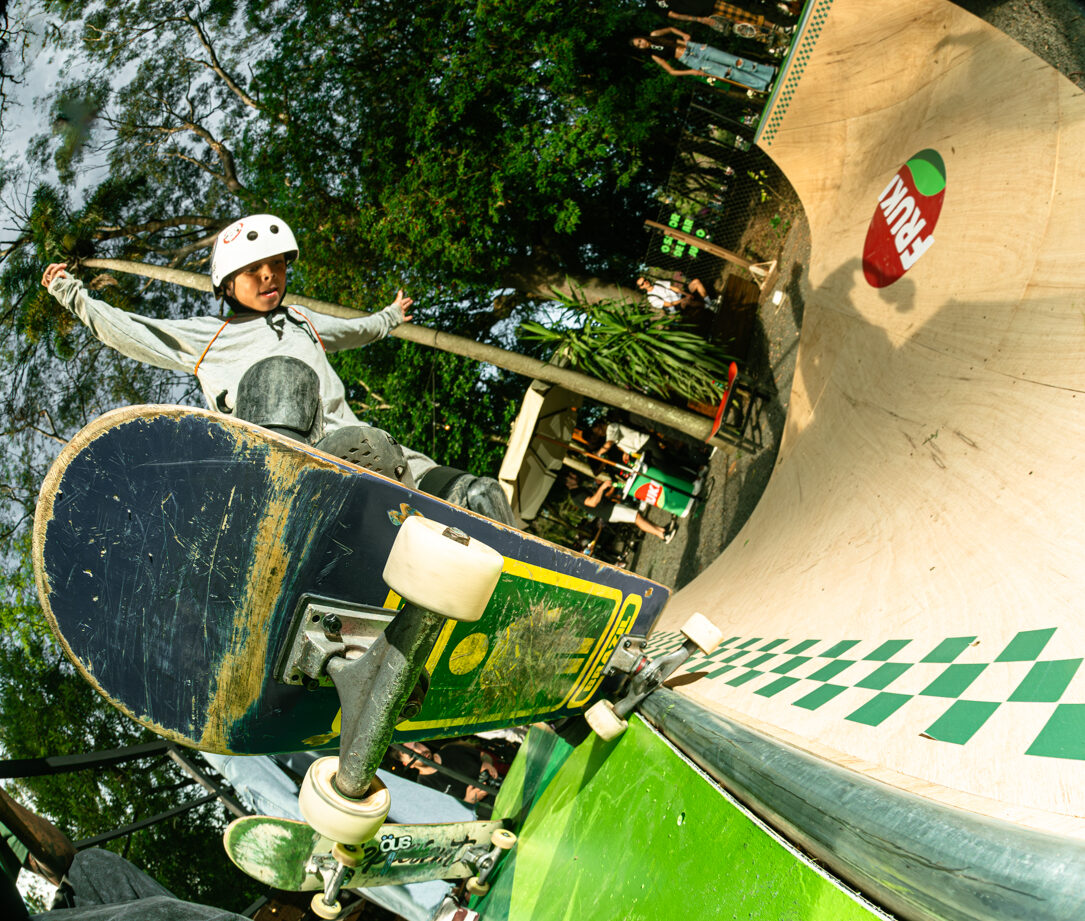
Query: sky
x=26, y=113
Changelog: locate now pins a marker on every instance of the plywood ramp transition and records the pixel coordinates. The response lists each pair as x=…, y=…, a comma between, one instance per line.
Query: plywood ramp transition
x=907, y=598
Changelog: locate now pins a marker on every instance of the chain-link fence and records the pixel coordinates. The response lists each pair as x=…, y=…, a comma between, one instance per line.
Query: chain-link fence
x=725, y=203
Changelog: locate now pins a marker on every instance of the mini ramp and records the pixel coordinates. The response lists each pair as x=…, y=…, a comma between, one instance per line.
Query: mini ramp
x=901, y=688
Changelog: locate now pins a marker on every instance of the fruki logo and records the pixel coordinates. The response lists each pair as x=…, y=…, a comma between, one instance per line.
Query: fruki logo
x=902, y=228
x=650, y=492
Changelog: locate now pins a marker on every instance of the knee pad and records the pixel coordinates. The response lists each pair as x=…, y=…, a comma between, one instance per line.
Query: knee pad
x=282, y=394
x=485, y=496
x=479, y=494
x=442, y=482
x=370, y=448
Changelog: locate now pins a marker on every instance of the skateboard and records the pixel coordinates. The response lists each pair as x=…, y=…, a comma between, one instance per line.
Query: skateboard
x=205, y=575
x=287, y=854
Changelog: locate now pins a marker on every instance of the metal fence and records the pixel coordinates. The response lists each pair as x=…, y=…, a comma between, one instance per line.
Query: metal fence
x=723, y=195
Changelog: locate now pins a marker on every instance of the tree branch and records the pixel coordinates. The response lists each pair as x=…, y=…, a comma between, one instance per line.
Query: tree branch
x=217, y=68
x=111, y=231
x=228, y=176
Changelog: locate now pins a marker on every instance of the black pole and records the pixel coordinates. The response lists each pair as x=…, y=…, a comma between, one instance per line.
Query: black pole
x=64, y=764
x=201, y=777
x=144, y=823
x=447, y=771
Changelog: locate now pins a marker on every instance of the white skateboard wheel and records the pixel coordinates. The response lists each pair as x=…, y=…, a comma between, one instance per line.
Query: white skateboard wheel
x=503, y=839
x=604, y=722
x=340, y=818
x=439, y=573
x=322, y=910
x=703, y=632
x=474, y=887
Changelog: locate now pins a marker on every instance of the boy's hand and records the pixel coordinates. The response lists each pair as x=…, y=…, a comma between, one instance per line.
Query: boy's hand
x=403, y=303
x=52, y=271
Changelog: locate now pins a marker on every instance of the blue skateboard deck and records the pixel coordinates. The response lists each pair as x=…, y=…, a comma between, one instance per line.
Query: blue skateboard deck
x=174, y=547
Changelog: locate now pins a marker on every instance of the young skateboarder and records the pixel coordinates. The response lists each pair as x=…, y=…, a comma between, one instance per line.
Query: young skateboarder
x=267, y=363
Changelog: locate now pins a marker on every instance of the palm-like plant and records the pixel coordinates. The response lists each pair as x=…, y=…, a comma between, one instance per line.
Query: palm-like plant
x=630, y=343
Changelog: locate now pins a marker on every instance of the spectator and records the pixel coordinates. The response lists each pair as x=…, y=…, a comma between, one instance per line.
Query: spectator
x=703, y=60
x=669, y=297
x=602, y=506
x=461, y=757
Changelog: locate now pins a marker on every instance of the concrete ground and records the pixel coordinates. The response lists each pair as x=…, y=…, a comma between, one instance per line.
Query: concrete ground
x=1053, y=30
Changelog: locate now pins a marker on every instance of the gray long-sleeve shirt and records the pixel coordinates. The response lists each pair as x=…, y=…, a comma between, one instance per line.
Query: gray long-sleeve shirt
x=220, y=351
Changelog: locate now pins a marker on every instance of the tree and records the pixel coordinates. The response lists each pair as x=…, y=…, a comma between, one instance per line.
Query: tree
x=637, y=346
x=488, y=145
x=478, y=153
x=464, y=146
x=13, y=43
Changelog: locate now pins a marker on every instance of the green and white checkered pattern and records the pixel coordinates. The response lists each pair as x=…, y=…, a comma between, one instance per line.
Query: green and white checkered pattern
x=809, y=30
x=888, y=674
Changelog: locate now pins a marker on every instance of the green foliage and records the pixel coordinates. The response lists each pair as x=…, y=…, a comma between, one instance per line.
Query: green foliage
x=74, y=112
x=765, y=189
x=21, y=620
x=45, y=709
x=558, y=520
x=453, y=142
x=456, y=149
x=630, y=343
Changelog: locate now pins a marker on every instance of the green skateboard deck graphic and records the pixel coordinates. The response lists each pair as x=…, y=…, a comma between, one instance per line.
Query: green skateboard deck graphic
x=175, y=548
x=278, y=852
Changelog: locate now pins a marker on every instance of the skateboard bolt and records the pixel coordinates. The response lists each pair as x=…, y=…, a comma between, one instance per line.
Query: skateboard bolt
x=457, y=535
x=332, y=625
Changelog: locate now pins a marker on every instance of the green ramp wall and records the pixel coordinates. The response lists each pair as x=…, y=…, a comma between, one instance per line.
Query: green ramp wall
x=632, y=830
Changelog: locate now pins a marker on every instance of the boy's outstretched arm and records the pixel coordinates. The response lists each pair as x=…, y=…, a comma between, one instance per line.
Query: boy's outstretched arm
x=172, y=344
x=338, y=333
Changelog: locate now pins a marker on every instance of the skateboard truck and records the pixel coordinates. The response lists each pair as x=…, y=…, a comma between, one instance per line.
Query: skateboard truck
x=485, y=863
x=322, y=629
x=442, y=574
x=608, y=720
x=336, y=869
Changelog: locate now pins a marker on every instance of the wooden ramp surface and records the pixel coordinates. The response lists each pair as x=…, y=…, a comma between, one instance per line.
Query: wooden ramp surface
x=907, y=599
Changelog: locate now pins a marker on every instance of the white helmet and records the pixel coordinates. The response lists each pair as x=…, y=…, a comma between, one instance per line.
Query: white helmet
x=256, y=237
